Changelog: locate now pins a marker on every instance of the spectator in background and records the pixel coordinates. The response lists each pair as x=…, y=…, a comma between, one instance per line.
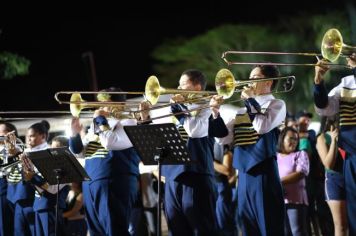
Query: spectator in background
x=293, y=166
x=74, y=224
x=332, y=159
x=319, y=212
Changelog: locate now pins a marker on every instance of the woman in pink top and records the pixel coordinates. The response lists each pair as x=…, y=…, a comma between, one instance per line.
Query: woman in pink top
x=293, y=166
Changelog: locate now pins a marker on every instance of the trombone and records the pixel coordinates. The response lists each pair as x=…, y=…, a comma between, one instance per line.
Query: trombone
x=153, y=90
x=77, y=104
x=332, y=47
x=226, y=86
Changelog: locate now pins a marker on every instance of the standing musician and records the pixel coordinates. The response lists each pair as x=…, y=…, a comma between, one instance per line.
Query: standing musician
x=45, y=195
x=341, y=99
x=8, y=150
x=112, y=164
x=254, y=133
x=190, y=196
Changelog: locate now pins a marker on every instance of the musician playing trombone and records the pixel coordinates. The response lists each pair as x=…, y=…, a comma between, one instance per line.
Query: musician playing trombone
x=254, y=134
x=190, y=196
x=112, y=164
x=341, y=99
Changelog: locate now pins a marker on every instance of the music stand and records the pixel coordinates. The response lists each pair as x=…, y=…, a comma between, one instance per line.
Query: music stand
x=58, y=166
x=158, y=144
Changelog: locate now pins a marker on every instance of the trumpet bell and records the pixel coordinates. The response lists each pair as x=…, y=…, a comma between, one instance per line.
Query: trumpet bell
x=332, y=44
x=225, y=83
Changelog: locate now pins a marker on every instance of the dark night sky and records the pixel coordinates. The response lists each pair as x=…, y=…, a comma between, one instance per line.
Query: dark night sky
x=121, y=42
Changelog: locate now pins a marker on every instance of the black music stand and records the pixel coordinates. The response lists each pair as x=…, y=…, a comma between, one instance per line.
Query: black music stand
x=58, y=166
x=158, y=144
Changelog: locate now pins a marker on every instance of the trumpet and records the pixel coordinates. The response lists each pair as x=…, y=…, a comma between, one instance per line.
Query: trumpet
x=332, y=47
x=7, y=143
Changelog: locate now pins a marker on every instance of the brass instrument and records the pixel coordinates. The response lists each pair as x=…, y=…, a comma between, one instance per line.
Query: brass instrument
x=77, y=104
x=153, y=90
x=5, y=169
x=226, y=86
x=6, y=143
x=332, y=47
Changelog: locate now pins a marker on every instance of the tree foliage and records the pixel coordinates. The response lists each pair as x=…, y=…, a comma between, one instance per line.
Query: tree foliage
x=12, y=65
x=299, y=34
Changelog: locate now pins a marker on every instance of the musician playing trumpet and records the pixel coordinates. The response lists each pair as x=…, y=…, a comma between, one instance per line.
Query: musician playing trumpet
x=112, y=164
x=8, y=150
x=254, y=134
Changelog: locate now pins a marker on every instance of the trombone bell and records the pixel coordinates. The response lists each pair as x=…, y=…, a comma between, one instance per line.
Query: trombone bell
x=225, y=83
x=75, y=107
x=332, y=46
x=152, y=89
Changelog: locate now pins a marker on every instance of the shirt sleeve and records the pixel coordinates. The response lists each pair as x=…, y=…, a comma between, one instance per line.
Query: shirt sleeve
x=116, y=138
x=332, y=106
x=273, y=117
x=197, y=126
x=230, y=137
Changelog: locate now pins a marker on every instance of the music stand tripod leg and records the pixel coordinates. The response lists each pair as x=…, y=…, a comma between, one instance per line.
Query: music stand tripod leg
x=58, y=174
x=159, y=158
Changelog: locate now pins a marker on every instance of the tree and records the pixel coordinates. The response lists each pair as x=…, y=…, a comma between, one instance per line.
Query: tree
x=12, y=65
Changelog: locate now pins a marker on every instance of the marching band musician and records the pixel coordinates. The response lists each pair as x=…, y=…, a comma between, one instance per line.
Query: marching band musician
x=44, y=204
x=190, y=197
x=21, y=194
x=254, y=133
x=341, y=99
x=112, y=164
x=9, y=132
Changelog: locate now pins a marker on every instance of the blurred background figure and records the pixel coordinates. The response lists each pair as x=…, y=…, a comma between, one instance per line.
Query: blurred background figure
x=293, y=166
x=73, y=214
x=318, y=210
x=332, y=158
x=225, y=176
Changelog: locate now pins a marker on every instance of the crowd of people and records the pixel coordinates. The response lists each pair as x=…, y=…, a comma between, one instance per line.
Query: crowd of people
x=257, y=172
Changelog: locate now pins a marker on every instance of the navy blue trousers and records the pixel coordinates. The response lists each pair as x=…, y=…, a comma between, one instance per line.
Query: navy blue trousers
x=108, y=204
x=350, y=184
x=189, y=203
x=6, y=216
x=260, y=200
x=24, y=218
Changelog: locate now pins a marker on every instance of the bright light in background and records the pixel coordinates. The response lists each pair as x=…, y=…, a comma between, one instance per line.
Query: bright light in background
x=68, y=132
x=315, y=125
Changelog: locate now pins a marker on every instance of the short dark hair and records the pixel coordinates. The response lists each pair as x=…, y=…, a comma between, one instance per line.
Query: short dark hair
x=304, y=113
x=112, y=97
x=282, y=135
x=270, y=71
x=9, y=127
x=63, y=140
x=196, y=77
